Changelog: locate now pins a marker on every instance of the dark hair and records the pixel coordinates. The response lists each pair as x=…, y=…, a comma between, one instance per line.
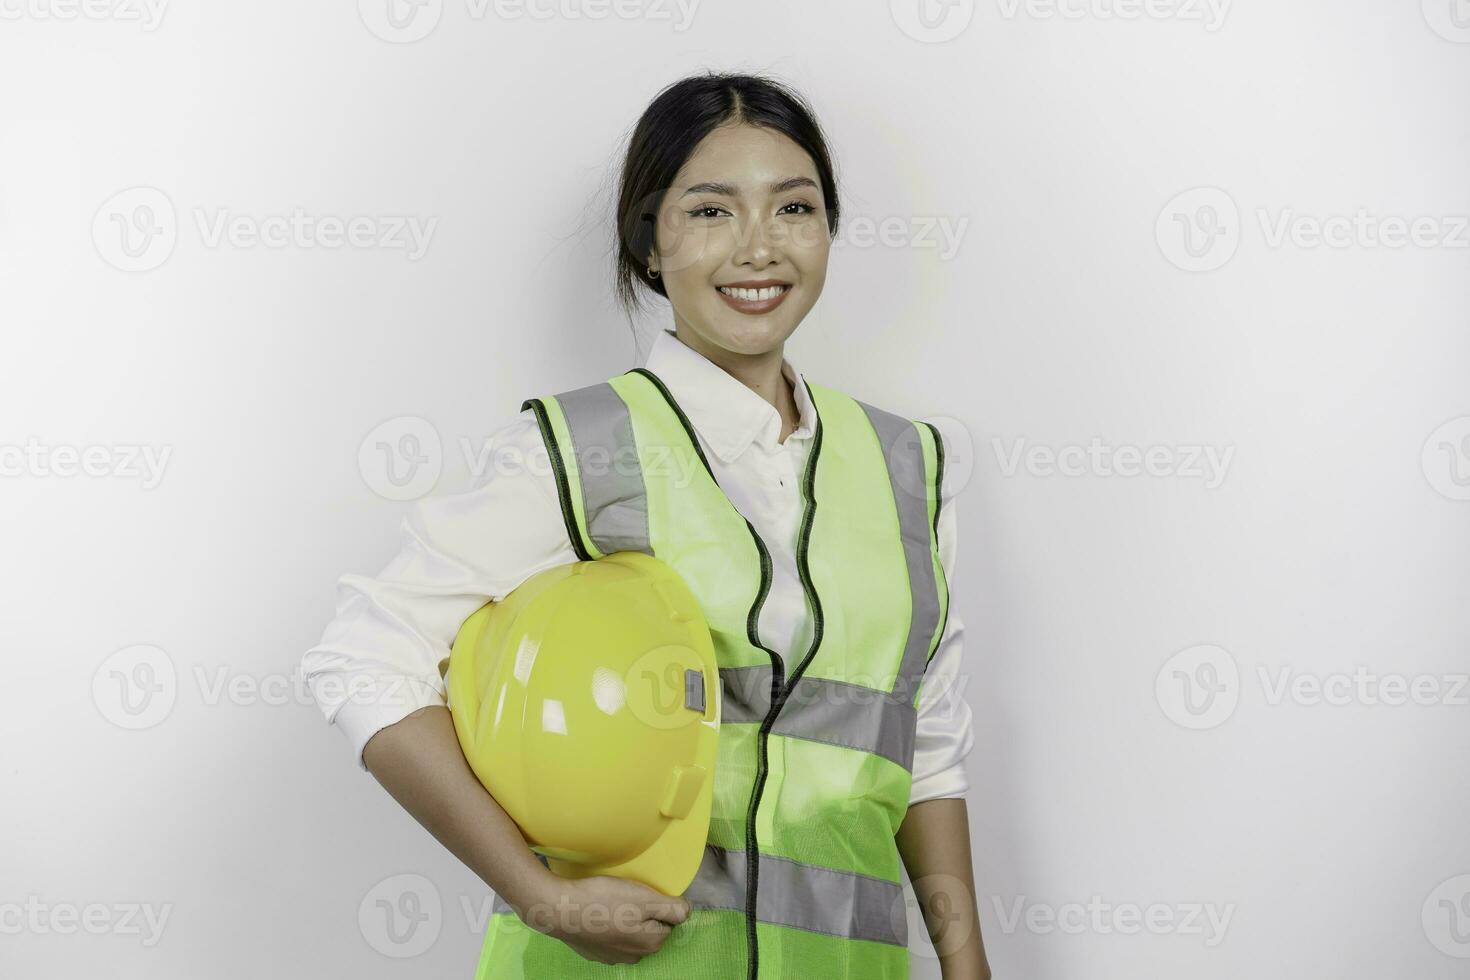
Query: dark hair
x=681, y=115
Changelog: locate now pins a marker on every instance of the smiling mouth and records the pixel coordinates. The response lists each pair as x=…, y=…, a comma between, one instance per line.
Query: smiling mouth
x=753, y=301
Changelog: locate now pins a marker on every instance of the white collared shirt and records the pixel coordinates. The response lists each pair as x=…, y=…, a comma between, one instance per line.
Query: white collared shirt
x=392, y=631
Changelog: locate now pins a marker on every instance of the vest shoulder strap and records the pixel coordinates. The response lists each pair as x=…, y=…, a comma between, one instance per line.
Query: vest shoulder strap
x=588, y=434
x=913, y=452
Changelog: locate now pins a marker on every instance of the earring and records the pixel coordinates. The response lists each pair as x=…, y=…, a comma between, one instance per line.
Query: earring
x=653, y=273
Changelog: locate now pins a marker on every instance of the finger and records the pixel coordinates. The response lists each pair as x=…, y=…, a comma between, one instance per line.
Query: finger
x=653, y=927
x=671, y=912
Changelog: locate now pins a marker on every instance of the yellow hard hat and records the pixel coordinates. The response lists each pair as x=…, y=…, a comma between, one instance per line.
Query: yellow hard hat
x=587, y=702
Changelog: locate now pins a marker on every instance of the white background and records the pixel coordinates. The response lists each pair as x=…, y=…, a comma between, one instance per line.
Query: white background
x=1335, y=376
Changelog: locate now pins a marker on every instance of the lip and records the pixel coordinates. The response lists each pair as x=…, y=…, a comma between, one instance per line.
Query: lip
x=755, y=307
x=756, y=283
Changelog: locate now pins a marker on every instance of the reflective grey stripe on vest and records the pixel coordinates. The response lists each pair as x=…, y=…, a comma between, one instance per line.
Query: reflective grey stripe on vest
x=822, y=710
x=804, y=896
x=904, y=454
x=613, y=495
x=801, y=896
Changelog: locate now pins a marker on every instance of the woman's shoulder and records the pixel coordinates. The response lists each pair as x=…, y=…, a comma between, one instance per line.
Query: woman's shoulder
x=509, y=448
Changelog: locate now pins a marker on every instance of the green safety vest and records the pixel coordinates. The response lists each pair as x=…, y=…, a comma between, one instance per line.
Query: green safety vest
x=801, y=876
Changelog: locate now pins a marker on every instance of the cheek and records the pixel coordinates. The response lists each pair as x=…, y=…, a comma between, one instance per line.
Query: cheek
x=811, y=261
x=687, y=247
x=809, y=238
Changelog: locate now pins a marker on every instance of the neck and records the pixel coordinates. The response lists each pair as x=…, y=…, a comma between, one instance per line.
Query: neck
x=761, y=373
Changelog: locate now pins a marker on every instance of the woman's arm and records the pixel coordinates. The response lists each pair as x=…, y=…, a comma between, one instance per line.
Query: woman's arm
x=934, y=841
x=419, y=762
x=604, y=919
x=377, y=675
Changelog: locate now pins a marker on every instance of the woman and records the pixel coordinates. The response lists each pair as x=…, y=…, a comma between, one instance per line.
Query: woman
x=816, y=533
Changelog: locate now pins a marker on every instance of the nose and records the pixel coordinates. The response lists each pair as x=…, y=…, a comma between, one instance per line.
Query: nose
x=761, y=243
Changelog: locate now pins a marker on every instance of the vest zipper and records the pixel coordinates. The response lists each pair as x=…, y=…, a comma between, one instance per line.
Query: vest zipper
x=780, y=691
x=780, y=688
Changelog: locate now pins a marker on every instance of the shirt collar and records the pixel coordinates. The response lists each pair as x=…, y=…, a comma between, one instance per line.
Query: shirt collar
x=721, y=408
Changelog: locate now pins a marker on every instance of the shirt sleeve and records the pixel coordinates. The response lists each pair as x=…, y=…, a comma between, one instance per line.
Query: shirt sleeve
x=380, y=657
x=945, y=732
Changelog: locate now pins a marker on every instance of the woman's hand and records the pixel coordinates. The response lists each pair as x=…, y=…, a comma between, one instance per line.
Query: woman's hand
x=602, y=918
x=605, y=919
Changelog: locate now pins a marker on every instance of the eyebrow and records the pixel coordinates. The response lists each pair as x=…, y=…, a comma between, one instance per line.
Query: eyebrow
x=729, y=190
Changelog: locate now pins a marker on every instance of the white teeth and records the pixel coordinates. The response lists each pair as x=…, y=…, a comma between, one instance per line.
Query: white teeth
x=770, y=292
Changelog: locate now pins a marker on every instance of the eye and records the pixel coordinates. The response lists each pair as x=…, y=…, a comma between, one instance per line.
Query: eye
x=704, y=211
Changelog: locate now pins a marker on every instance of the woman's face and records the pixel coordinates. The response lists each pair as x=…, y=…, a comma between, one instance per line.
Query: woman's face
x=746, y=210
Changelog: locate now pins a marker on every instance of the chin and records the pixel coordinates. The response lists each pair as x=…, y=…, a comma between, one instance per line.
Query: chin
x=753, y=340
x=751, y=335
